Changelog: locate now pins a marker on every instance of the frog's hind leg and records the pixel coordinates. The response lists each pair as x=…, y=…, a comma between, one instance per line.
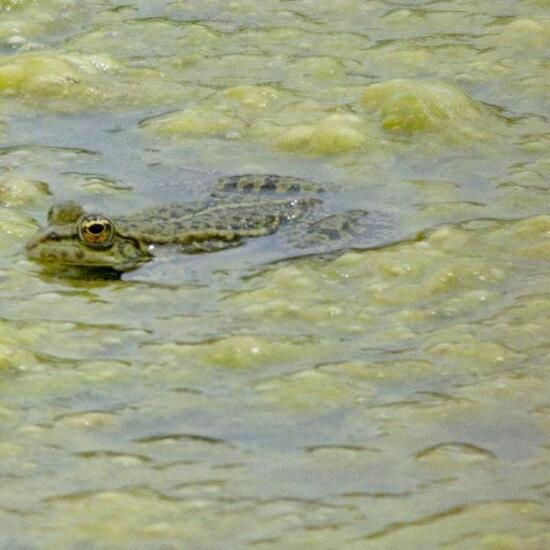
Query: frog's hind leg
x=351, y=229
x=266, y=184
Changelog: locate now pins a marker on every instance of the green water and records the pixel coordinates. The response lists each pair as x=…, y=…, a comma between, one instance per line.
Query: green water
x=395, y=397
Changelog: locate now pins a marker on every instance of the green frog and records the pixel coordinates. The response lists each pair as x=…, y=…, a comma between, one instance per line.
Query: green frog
x=239, y=207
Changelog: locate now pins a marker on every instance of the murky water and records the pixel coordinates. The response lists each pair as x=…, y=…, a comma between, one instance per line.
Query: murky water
x=395, y=397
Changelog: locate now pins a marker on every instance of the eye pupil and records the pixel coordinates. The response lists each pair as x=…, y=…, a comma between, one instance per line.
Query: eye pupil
x=96, y=228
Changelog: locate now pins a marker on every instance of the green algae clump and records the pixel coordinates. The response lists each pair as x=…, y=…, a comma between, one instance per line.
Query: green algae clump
x=8, y=5
x=333, y=134
x=411, y=106
x=193, y=122
x=236, y=352
x=48, y=74
x=520, y=35
x=305, y=390
x=252, y=97
x=17, y=191
x=69, y=82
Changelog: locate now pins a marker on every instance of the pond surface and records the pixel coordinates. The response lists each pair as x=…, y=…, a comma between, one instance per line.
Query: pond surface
x=391, y=397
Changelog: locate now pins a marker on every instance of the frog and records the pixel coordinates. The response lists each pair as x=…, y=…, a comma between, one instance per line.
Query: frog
x=238, y=208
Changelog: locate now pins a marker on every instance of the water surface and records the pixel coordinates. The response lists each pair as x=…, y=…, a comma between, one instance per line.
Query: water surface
x=382, y=398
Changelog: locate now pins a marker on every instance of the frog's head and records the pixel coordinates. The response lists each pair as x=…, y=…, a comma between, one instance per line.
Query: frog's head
x=76, y=238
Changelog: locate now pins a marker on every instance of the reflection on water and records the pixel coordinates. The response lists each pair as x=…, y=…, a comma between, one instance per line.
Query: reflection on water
x=387, y=397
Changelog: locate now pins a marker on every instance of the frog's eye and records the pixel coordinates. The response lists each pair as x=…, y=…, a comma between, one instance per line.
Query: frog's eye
x=96, y=231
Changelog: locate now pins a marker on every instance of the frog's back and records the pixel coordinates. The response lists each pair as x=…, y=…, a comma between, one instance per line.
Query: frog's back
x=213, y=219
x=266, y=184
x=240, y=206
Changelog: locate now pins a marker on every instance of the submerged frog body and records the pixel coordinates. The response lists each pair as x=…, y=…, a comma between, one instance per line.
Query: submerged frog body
x=240, y=207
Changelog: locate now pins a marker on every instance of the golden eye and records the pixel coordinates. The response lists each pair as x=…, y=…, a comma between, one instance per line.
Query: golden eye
x=96, y=231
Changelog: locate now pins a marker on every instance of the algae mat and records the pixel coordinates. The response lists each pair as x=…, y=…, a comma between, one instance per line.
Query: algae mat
x=395, y=397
